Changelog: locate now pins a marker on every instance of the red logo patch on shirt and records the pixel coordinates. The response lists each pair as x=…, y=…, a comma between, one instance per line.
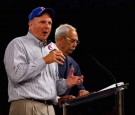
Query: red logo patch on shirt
x=50, y=47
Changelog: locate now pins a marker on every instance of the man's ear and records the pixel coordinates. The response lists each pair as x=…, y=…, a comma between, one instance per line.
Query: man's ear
x=29, y=23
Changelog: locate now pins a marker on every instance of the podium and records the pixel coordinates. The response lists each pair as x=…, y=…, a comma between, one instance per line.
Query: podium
x=108, y=101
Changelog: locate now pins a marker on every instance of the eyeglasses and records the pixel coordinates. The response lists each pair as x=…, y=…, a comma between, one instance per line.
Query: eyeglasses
x=72, y=40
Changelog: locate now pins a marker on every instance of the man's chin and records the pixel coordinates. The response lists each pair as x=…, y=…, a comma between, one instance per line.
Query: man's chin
x=71, y=51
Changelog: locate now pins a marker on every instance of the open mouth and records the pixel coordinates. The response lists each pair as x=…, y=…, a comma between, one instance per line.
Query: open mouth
x=45, y=33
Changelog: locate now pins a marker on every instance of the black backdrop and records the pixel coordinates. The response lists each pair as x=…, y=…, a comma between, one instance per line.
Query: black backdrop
x=106, y=30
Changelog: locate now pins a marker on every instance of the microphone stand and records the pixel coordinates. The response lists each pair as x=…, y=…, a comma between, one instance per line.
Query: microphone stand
x=119, y=99
x=105, y=70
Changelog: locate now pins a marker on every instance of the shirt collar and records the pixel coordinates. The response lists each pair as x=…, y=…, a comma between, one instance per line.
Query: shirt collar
x=36, y=41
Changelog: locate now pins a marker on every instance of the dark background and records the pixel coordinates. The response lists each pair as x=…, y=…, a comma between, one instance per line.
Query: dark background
x=106, y=30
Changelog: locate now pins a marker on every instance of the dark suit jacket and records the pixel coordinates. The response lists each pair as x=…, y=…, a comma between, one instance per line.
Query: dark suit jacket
x=65, y=69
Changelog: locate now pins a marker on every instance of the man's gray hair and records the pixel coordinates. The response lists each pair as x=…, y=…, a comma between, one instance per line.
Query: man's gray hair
x=62, y=30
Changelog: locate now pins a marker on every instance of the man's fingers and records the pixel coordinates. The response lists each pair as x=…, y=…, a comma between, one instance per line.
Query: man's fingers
x=71, y=72
x=55, y=56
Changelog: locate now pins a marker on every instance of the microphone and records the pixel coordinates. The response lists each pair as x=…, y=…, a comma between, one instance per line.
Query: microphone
x=105, y=70
x=50, y=47
x=117, y=102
